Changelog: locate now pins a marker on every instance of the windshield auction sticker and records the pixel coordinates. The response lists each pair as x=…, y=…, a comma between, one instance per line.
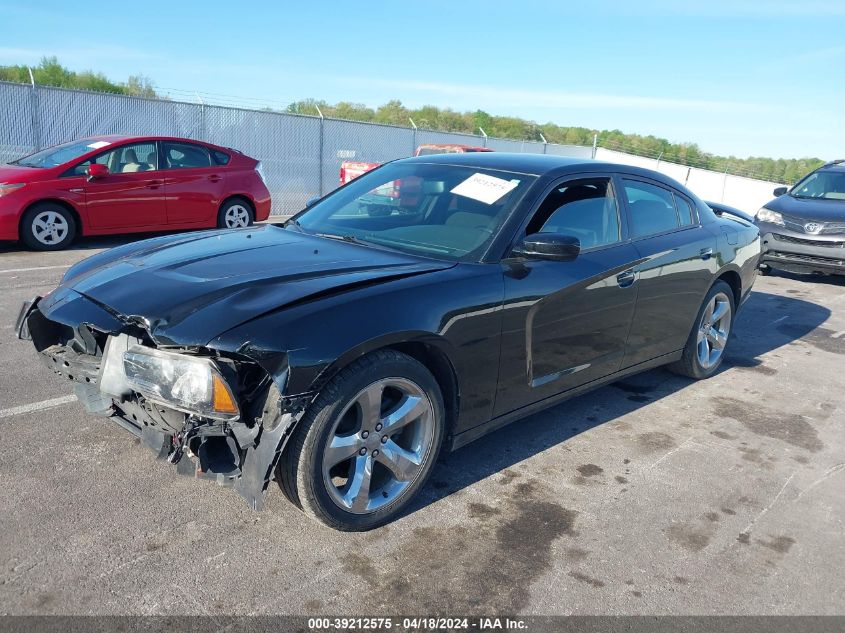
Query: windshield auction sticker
x=484, y=188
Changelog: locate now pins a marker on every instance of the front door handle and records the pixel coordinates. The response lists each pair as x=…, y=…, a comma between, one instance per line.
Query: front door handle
x=214, y=178
x=626, y=278
x=706, y=253
x=154, y=184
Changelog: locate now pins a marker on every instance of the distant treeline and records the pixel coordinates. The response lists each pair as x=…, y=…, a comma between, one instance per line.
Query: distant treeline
x=431, y=117
x=51, y=73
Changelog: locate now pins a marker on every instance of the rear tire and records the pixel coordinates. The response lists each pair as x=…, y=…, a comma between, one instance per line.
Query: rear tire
x=708, y=341
x=235, y=214
x=48, y=226
x=366, y=444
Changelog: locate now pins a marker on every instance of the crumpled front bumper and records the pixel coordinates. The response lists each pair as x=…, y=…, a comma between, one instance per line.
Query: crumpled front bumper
x=241, y=454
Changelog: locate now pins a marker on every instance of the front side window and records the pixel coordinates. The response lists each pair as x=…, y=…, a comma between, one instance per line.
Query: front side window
x=821, y=184
x=185, y=156
x=652, y=208
x=585, y=209
x=443, y=211
x=125, y=159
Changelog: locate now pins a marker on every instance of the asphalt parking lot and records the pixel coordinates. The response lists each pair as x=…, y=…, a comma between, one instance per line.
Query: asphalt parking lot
x=656, y=495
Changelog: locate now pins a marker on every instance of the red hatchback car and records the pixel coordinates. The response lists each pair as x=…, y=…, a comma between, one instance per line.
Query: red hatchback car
x=127, y=184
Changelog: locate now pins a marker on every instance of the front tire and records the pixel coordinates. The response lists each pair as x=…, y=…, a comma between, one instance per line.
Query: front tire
x=47, y=227
x=706, y=345
x=367, y=443
x=236, y=213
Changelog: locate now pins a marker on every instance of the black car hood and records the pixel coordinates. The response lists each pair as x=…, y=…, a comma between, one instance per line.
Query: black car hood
x=188, y=289
x=809, y=208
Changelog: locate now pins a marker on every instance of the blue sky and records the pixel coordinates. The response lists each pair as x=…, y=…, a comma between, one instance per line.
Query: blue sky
x=736, y=77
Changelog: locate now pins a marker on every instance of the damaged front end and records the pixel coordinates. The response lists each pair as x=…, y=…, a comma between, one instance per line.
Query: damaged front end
x=213, y=414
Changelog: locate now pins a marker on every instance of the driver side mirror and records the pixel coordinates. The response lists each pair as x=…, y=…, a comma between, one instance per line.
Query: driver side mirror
x=96, y=171
x=779, y=191
x=551, y=246
x=311, y=202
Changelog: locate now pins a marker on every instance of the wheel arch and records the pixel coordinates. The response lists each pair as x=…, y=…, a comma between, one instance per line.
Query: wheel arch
x=237, y=196
x=428, y=349
x=74, y=212
x=734, y=280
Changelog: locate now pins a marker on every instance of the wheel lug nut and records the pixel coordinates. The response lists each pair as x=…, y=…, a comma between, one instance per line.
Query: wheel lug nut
x=375, y=453
x=378, y=427
x=363, y=451
x=365, y=434
x=384, y=439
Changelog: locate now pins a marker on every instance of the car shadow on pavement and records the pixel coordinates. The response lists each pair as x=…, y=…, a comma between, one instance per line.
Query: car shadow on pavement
x=102, y=242
x=97, y=242
x=765, y=323
x=811, y=278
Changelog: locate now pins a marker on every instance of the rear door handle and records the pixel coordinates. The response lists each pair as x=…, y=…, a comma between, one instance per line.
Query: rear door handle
x=706, y=253
x=626, y=278
x=154, y=184
x=214, y=178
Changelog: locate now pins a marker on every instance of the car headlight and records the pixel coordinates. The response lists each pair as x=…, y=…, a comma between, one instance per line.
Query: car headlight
x=188, y=383
x=9, y=187
x=772, y=217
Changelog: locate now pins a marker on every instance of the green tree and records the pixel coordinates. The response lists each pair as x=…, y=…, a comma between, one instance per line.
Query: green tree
x=49, y=72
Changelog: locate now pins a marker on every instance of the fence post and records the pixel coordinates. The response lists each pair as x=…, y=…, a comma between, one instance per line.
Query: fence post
x=33, y=104
x=202, y=117
x=595, y=144
x=484, y=134
x=724, y=183
x=413, y=137
x=545, y=142
x=320, y=154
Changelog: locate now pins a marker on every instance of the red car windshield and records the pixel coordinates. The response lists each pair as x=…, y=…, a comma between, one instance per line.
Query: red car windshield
x=59, y=154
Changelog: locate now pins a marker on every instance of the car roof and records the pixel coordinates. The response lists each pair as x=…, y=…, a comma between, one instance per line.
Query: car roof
x=119, y=138
x=535, y=164
x=544, y=165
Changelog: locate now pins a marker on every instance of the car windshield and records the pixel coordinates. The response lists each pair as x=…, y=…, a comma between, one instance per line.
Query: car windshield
x=60, y=154
x=442, y=211
x=821, y=184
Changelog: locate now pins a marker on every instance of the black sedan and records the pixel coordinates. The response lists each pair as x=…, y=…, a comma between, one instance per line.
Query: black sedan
x=422, y=305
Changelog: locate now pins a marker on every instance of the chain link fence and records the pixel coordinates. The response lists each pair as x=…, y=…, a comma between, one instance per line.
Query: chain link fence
x=301, y=154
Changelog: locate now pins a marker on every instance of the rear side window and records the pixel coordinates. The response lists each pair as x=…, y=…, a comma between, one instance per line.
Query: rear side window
x=185, y=156
x=652, y=208
x=685, y=211
x=221, y=158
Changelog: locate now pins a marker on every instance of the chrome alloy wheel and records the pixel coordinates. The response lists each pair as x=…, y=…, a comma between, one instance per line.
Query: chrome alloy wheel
x=50, y=228
x=713, y=330
x=379, y=445
x=237, y=216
